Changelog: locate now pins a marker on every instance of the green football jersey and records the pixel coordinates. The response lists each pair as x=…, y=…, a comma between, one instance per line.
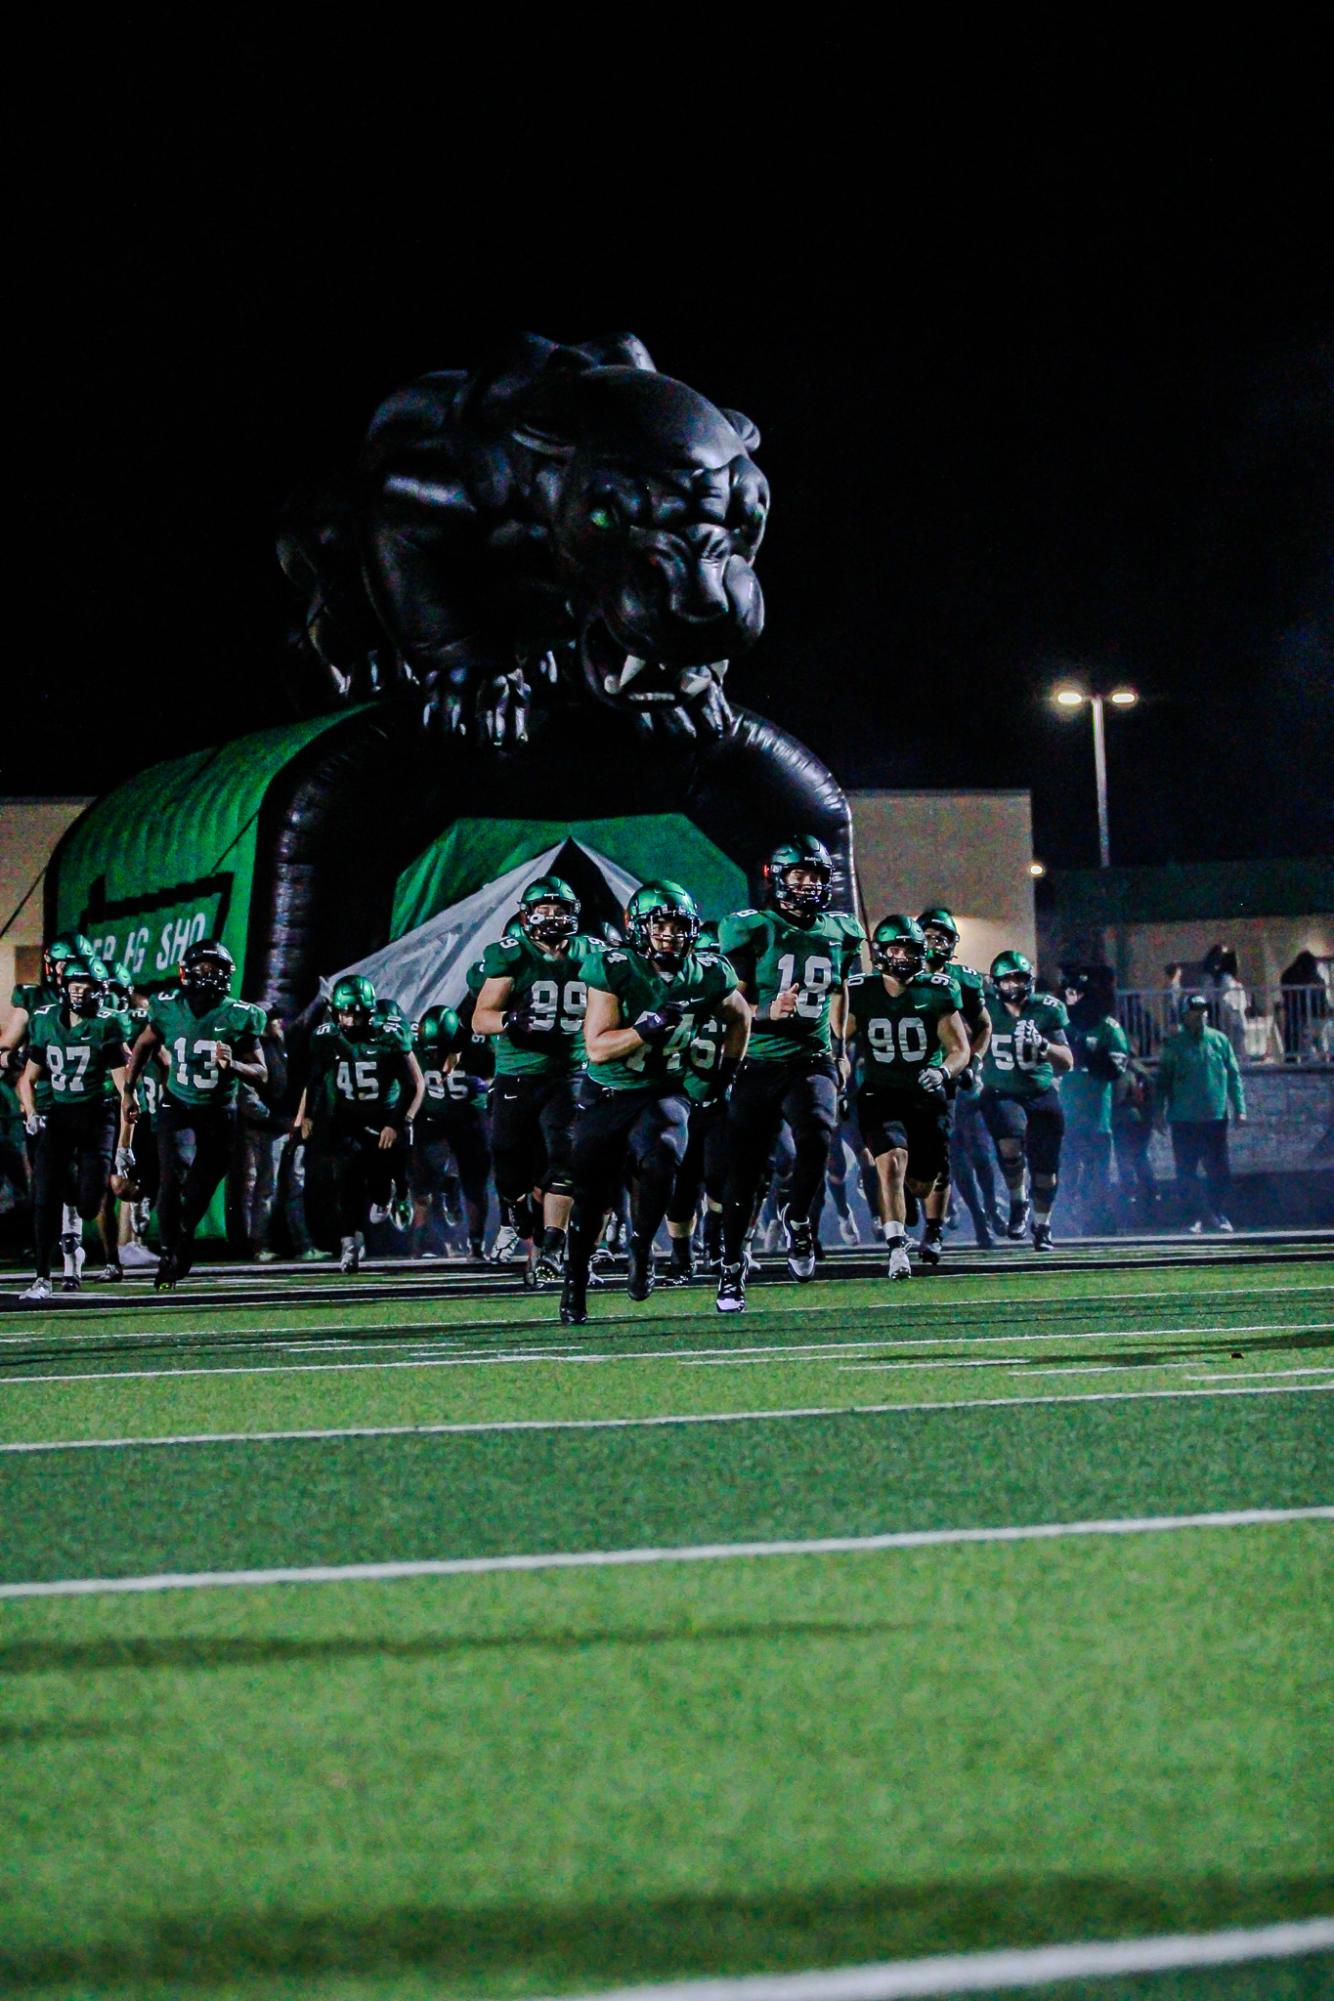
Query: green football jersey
x=76, y=1054
x=704, y=1058
x=191, y=1040
x=148, y=1090
x=30, y=997
x=704, y=979
x=33, y=995
x=897, y=1034
x=447, y=1091
x=770, y=953
x=1102, y=1054
x=555, y=991
x=972, y=987
x=1002, y=1071
x=357, y=1080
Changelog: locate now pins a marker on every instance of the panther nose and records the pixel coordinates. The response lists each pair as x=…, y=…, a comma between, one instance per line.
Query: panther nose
x=704, y=596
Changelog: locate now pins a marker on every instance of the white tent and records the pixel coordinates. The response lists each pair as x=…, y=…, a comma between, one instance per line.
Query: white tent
x=427, y=967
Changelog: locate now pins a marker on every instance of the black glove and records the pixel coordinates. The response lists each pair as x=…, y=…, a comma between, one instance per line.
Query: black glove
x=526, y=1028
x=932, y=1080
x=1029, y=1041
x=656, y=1024
x=966, y=1081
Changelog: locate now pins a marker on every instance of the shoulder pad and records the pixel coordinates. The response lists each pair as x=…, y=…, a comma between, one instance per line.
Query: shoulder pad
x=958, y=971
x=709, y=958
x=750, y=912
x=852, y=926
x=942, y=980
x=615, y=957
x=856, y=979
x=325, y=1028
x=1048, y=1000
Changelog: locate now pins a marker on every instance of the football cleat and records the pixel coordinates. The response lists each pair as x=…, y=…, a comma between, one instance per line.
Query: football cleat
x=930, y=1249
x=769, y=1236
x=111, y=1275
x=350, y=1258
x=1042, y=1237
x=800, y=1246
x=848, y=1233
x=681, y=1269
x=550, y=1262
x=732, y=1289
x=164, y=1278
x=641, y=1276
x=1017, y=1226
x=39, y=1289
x=379, y=1212
x=573, y=1300
x=136, y=1257
x=507, y=1245
x=899, y=1266
x=985, y=1240
x=1222, y=1223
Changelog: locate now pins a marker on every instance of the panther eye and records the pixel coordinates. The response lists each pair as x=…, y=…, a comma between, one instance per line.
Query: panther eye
x=601, y=518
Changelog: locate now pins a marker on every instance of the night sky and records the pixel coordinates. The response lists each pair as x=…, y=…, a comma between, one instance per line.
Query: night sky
x=1035, y=395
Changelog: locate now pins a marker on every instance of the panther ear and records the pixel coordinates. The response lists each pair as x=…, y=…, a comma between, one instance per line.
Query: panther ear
x=748, y=433
x=545, y=443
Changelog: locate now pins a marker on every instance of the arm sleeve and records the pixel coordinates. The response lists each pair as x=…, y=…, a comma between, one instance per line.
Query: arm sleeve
x=1235, y=1089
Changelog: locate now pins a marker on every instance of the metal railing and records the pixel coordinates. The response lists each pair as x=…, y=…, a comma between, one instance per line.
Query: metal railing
x=1267, y=1025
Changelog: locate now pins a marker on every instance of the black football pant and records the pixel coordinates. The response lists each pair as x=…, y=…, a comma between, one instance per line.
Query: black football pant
x=462, y=1134
x=346, y=1172
x=532, y=1136
x=804, y=1091
x=704, y=1166
x=613, y=1128
x=194, y=1150
x=77, y=1143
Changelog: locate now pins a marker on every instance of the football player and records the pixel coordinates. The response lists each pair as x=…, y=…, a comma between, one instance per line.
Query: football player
x=77, y=1048
x=1102, y=1056
x=451, y=1128
x=912, y=1041
x=30, y=995
x=704, y=1169
x=363, y=1090
x=941, y=936
x=792, y=962
x=532, y=1003
x=1020, y=1100
x=135, y=1179
x=211, y=1042
x=647, y=1002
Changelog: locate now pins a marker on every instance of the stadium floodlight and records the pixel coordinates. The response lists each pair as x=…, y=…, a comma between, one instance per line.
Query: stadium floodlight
x=1069, y=696
x=1037, y=868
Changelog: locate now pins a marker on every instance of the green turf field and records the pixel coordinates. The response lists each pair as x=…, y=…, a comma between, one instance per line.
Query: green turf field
x=409, y=1645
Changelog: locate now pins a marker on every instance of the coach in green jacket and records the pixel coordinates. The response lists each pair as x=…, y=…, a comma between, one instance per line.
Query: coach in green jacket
x=1198, y=1082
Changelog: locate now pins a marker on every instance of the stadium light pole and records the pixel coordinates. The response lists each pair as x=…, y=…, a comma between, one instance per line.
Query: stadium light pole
x=1071, y=697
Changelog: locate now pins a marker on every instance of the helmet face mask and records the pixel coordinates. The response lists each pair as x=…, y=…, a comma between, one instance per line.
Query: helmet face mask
x=941, y=934
x=549, y=911
x=800, y=877
x=80, y=987
x=207, y=969
x=898, y=948
x=352, y=1003
x=661, y=921
x=1012, y=976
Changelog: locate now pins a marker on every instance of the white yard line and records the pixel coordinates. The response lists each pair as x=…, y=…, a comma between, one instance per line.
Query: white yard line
x=66, y=1327
x=615, y=1559
x=986, y=1972
x=805, y=1352
x=1230, y=1375
x=483, y=1426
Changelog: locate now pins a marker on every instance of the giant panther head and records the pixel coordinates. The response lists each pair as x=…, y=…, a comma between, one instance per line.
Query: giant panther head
x=655, y=510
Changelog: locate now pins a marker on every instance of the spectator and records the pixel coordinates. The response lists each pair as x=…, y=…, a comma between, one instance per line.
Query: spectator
x=1304, y=1009
x=1233, y=1001
x=1198, y=1081
x=1132, y=1129
x=1102, y=1054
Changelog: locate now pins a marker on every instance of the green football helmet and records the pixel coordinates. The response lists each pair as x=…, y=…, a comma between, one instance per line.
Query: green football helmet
x=549, y=910
x=708, y=939
x=898, y=947
x=805, y=852
x=207, y=969
x=119, y=985
x=81, y=973
x=937, y=918
x=69, y=945
x=441, y=1030
x=662, y=903
x=354, y=994
x=1012, y=976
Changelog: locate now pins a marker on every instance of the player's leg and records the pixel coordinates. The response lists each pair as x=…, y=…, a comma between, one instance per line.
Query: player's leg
x=754, y=1113
x=472, y=1151
x=556, y=1118
x=517, y=1151
x=215, y=1137
x=1046, y=1130
x=885, y=1137
x=1006, y=1123
x=176, y=1153
x=683, y=1204
x=596, y=1159
x=49, y=1158
x=928, y=1175
x=657, y=1145
x=97, y=1150
x=810, y=1106
x=427, y=1170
